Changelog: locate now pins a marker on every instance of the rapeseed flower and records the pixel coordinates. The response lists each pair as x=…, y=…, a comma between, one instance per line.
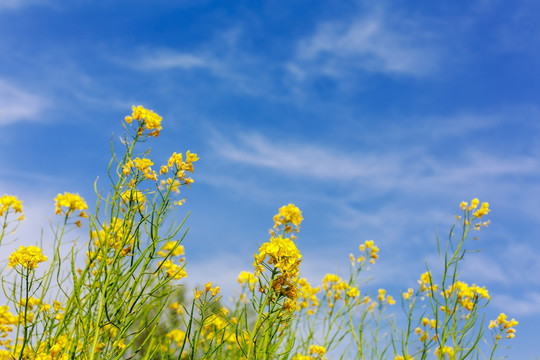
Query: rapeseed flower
x=10, y=201
x=288, y=216
x=149, y=119
x=172, y=248
x=27, y=256
x=72, y=202
x=247, y=278
x=134, y=196
x=507, y=325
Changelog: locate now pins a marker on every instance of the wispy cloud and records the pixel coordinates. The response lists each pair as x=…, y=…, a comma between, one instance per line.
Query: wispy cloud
x=168, y=59
x=16, y=4
x=525, y=304
x=376, y=42
x=320, y=162
x=17, y=104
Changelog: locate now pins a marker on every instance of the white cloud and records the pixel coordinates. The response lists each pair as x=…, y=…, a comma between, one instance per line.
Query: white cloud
x=383, y=169
x=376, y=42
x=164, y=60
x=17, y=104
x=301, y=159
x=16, y=4
x=524, y=305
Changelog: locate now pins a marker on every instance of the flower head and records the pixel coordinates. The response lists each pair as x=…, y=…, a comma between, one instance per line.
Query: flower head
x=71, y=201
x=27, y=256
x=288, y=216
x=10, y=201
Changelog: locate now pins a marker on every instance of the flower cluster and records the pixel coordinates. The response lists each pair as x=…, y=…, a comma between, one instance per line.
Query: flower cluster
x=27, y=256
x=371, y=251
x=10, y=201
x=247, y=278
x=143, y=165
x=288, y=216
x=472, y=212
x=147, y=119
x=173, y=270
x=73, y=202
x=426, y=283
x=171, y=248
x=445, y=350
x=384, y=296
x=307, y=295
x=423, y=333
x=132, y=196
x=179, y=167
x=505, y=325
x=316, y=352
x=283, y=254
x=117, y=237
x=467, y=296
x=7, y=321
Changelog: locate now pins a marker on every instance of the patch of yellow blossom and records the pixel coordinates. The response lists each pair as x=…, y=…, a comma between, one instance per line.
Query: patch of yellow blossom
x=426, y=283
x=179, y=168
x=171, y=248
x=134, y=196
x=336, y=289
x=307, y=296
x=407, y=295
x=445, y=350
x=406, y=357
x=319, y=351
x=371, y=250
x=176, y=307
x=288, y=216
x=7, y=321
x=467, y=296
x=247, y=278
x=72, y=201
x=507, y=325
x=316, y=352
x=283, y=254
x=115, y=236
x=147, y=119
x=173, y=270
x=208, y=288
x=177, y=336
x=478, y=213
x=143, y=165
x=11, y=201
x=173, y=184
x=27, y=256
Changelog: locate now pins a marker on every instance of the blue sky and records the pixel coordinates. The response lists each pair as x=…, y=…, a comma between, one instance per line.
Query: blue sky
x=376, y=118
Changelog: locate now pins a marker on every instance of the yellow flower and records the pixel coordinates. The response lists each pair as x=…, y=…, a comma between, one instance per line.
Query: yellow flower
x=408, y=294
x=171, y=247
x=288, y=215
x=177, y=336
x=382, y=294
x=318, y=350
x=71, y=201
x=27, y=256
x=150, y=119
x=175, y=271
x=445, y=350
x=7, y=201
x=134, y=196
x=245, y=277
